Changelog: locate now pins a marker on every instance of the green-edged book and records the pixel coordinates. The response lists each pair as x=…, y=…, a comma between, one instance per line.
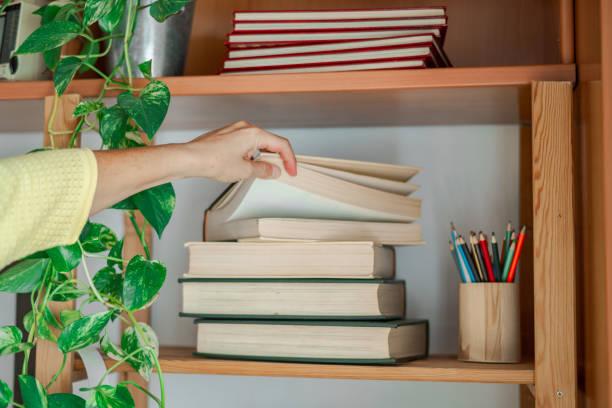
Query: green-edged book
x=341, y=342
x=314, y=299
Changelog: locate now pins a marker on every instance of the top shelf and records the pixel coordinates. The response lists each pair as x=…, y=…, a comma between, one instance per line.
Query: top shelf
x=448, y=96
x=391, y=80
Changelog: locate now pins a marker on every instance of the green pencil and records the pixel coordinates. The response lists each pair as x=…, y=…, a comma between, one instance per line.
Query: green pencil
x=495, y=254
x=508, y=261
x=506, y=242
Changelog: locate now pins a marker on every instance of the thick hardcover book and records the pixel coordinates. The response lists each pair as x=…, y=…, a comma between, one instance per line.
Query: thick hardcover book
x=314, y=341
x=327, y=299
x=338, y=14
x=352, y=260
x=325, y=48
x=366, y=65
x=240, y=40
x=333, y=189
x=335, y=25
x=300, y=229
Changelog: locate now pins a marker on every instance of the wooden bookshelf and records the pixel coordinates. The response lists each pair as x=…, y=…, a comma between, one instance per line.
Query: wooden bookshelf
x=435, y=368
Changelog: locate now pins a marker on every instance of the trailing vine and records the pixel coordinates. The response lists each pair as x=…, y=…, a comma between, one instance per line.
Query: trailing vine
x=122, y=286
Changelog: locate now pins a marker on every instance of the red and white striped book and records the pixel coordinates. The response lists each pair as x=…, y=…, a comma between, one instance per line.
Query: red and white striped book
x=338, y=14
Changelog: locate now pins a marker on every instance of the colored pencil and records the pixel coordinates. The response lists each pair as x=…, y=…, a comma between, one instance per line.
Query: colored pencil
x=479, y=267
x=487, y=259
x=456, y=261
x=508, y=261
x=463, y=261
x=495, y=254
x=506, y=242
x=470, y=260
x=517, y=253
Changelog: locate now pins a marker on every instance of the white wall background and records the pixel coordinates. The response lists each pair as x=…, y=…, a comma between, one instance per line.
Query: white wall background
x=470, y=175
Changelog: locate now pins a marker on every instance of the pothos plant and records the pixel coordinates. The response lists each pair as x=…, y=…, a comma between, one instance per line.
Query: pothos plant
x=122, y=286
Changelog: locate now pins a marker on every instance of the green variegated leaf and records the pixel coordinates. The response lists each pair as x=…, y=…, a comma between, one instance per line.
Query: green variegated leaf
x=132, y=340
x=84, y=108
x=97, y=238
x=108, y=282
x=113, y=125
x=111, y=20
x=32, y=392
x=162, y=9
x=110, y=349
x=65, y=258
x=83, y=332
x=126, y=204
x=68, y=291
x=69, y=316
x=49, y=36
x=145, y=68
x=116, y=252
x=156, y=205
x=15, y=348
x=10, y=335
x=65, y=401
x=96, y=9
x=42, y=326
x=142, y=282
x=149, y=109
x=23, y=277
x=6, y=395
x=52, y=58
x=64, y=72
x=113, y=397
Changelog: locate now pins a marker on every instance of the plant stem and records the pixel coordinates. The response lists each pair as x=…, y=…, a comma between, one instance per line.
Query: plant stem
x=160, y=374
x=56, y=375
x=140, y=233
x=90, y=281
x=144, y=390
x=126, y=39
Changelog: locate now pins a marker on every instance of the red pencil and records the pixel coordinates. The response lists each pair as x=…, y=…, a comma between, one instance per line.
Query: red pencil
x=484, y=248
x=517, y=254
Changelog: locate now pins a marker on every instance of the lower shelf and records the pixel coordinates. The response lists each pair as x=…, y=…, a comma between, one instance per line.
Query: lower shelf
x=436, y=368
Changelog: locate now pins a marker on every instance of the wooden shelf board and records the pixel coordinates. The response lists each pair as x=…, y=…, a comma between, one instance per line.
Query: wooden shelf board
x=436, y=368
x=319, y=82
x=449, y=96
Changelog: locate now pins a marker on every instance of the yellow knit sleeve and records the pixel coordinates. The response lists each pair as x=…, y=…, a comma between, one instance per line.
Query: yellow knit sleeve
x=45, y=199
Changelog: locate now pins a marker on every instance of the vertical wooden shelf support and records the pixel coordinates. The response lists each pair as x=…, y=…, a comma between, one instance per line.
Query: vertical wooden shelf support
x=554, y=251
x=48, y=357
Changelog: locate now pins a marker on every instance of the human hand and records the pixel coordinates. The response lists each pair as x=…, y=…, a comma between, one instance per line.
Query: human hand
x=226, y=154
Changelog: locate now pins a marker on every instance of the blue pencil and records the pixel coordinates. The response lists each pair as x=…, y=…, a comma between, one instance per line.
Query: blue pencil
x=463, y=260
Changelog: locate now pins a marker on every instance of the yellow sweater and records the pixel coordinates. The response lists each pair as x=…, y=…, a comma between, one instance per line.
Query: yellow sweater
x=45, y=199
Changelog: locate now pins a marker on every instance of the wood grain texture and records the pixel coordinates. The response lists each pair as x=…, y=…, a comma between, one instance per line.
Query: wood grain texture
x=489, y=323
x=180, y=360
x=386, y=80
x=131, y=248
x=553, y=235
x=48, y=357
x=512, y=32
x=566, y=31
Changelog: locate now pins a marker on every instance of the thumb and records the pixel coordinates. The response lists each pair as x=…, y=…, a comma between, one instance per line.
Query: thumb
x=265, y=170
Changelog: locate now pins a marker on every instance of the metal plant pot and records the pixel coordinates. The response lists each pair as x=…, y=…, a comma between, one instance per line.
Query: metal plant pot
x=165, y=43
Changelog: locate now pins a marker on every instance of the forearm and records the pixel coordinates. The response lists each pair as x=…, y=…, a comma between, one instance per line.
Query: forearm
x=122, y=173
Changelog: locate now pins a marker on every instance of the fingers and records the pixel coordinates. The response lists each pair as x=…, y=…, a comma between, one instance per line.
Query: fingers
x=276, y=144
x=265, y=170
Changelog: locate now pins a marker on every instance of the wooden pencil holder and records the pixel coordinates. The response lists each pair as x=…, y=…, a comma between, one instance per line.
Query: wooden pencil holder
x=489, y=323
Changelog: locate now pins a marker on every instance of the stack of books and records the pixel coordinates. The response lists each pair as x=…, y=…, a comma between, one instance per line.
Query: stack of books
x=267, y=42
x=301, y=268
